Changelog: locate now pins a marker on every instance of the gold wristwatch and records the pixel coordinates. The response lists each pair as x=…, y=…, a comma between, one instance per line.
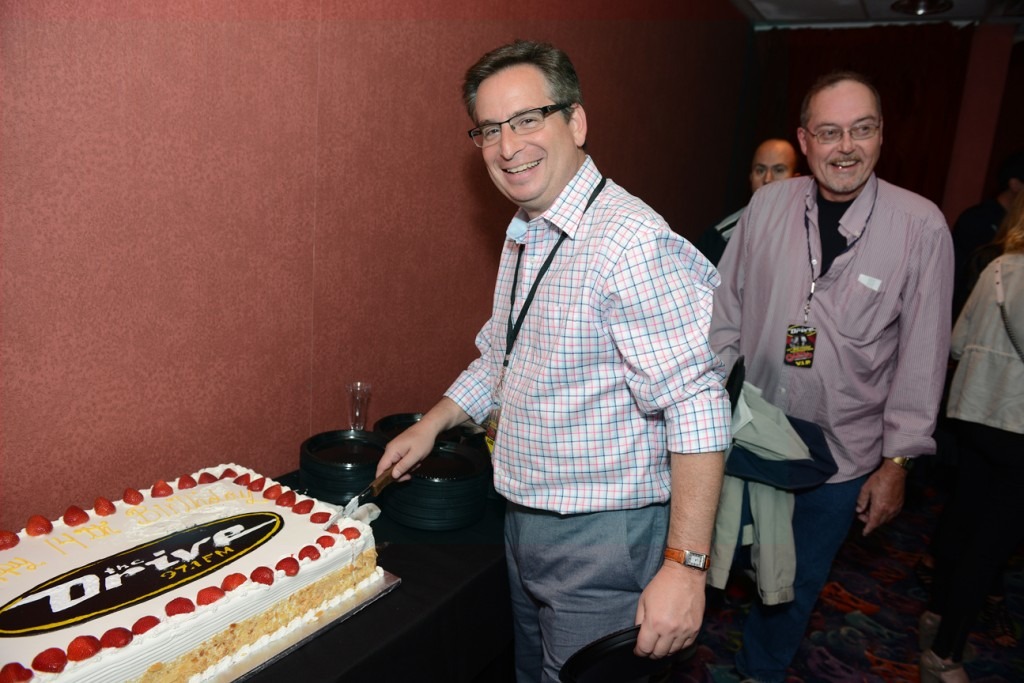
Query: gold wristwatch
x=904, y=462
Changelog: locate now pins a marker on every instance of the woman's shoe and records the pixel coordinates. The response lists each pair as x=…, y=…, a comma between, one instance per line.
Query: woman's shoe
x=933, y=670
x=928, y=628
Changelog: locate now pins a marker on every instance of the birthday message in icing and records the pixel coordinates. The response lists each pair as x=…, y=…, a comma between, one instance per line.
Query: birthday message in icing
x=184, y=502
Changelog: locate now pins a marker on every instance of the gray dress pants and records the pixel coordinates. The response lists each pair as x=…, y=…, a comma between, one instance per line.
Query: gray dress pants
x=576, y=578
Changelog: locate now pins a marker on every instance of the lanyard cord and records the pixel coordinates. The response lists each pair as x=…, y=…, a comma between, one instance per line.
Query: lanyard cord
x=810, y=257
x=512, y=331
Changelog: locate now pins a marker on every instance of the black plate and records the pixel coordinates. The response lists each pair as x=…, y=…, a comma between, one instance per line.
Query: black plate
x=611, y=660
x=430, y=524
x=347, y=472
x=451, y=462
x=447, y=491
x=391, y=426
x=424, y=508
x=439, y=492
x=346, y=449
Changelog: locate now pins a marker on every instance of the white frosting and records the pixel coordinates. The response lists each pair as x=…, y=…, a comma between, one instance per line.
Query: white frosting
x=41, y=558
x=297, y=623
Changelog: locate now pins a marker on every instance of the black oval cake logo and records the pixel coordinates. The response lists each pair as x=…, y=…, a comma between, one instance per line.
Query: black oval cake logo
x=137, y=574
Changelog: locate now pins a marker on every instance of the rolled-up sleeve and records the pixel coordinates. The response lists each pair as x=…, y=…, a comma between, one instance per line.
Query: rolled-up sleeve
x=924, y=338
x=659, y=313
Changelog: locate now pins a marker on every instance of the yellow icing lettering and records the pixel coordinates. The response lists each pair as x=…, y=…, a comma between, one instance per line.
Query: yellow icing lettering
x=58, y=540
x=96, y=531
x=142, y=515
x=170, y=506
x=199, y=563
x=16, y=567
x=190, y=499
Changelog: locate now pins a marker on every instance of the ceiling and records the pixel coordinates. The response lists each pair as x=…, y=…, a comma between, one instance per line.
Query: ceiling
x=767, y=14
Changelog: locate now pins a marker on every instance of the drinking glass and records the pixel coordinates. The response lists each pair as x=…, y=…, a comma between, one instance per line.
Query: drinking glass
x=358, y=402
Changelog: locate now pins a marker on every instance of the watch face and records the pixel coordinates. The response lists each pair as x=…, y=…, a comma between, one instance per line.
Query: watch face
x=695, y=560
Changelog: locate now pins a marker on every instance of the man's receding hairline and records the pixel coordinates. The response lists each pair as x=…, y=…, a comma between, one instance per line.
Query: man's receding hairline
x=854, y=78
x=774, y=143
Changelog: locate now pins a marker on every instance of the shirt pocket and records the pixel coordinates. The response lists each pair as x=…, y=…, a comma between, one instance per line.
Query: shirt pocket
x=865, y=308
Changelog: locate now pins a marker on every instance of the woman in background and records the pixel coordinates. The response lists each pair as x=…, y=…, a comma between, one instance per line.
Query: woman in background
x=984, y=519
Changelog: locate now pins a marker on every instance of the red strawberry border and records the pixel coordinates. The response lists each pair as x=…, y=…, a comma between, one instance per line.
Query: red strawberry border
x=55, y=659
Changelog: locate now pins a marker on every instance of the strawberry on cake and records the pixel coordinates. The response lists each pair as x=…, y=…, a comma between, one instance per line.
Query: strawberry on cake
x=176, y=582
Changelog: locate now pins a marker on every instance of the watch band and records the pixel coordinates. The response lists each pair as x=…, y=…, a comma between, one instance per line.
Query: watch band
x=903, y=461
x=688, y=558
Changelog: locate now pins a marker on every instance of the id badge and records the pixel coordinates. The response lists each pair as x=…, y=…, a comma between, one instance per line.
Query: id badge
x=491, y=428
x=800, y=341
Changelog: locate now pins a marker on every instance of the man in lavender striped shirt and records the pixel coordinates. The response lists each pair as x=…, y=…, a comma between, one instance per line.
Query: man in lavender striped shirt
x=836, y=289
x=596, y=379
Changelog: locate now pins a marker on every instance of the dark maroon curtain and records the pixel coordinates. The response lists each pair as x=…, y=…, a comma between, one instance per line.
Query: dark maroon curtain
x=918, y=70
x=1010, y=131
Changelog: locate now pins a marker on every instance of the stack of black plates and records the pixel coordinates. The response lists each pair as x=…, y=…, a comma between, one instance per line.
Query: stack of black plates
x=335, y=466
x=391, y=426
x=447, y=491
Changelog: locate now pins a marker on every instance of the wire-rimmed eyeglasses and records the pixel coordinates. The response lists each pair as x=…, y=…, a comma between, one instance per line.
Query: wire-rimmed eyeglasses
x=830, y=135
x=524, y=123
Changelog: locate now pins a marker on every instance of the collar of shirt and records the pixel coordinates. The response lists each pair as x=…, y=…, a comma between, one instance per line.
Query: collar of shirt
x=566, y=212
x=728, y=223
x=853, y=222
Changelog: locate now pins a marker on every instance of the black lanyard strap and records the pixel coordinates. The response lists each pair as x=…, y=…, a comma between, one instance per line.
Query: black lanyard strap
x=810, y=256
x=512, y=330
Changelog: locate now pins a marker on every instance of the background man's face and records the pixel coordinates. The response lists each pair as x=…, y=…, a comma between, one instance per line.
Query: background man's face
x=773, y=160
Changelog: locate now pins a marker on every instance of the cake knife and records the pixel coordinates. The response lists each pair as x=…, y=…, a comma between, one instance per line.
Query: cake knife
x=364, y=496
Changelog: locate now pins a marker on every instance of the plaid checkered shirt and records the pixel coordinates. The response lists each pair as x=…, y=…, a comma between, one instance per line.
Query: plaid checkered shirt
x=612, y=369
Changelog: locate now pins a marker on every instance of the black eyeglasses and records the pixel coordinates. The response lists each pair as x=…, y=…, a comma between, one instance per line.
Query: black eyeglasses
x=521, y=124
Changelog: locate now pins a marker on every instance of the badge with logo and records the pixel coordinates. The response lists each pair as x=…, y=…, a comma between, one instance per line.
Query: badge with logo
x=800, y=340
x=491, y=428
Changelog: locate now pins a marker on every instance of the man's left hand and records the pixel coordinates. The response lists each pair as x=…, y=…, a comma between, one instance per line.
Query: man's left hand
x=881, y=497
x=670, y=611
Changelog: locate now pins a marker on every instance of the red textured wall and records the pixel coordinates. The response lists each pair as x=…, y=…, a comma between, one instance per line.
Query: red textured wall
x=215, y=212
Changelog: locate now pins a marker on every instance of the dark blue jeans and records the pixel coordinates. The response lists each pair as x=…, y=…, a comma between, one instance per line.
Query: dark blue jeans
x=771, y=635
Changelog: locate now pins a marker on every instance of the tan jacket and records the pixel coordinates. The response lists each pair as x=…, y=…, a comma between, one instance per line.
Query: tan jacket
x=988, y=385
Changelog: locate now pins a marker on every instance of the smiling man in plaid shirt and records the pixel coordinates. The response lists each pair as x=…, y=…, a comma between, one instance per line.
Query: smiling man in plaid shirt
x=602, y=398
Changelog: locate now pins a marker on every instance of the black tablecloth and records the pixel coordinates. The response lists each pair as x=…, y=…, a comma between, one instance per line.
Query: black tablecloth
x=449, y=620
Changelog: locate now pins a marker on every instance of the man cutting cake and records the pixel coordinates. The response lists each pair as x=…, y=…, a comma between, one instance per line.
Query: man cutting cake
x=601, y=396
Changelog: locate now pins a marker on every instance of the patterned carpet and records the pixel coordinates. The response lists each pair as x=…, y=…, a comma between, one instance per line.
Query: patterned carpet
x=864, y=627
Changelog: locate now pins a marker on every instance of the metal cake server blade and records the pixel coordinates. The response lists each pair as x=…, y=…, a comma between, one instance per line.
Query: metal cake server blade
x=364, y=496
